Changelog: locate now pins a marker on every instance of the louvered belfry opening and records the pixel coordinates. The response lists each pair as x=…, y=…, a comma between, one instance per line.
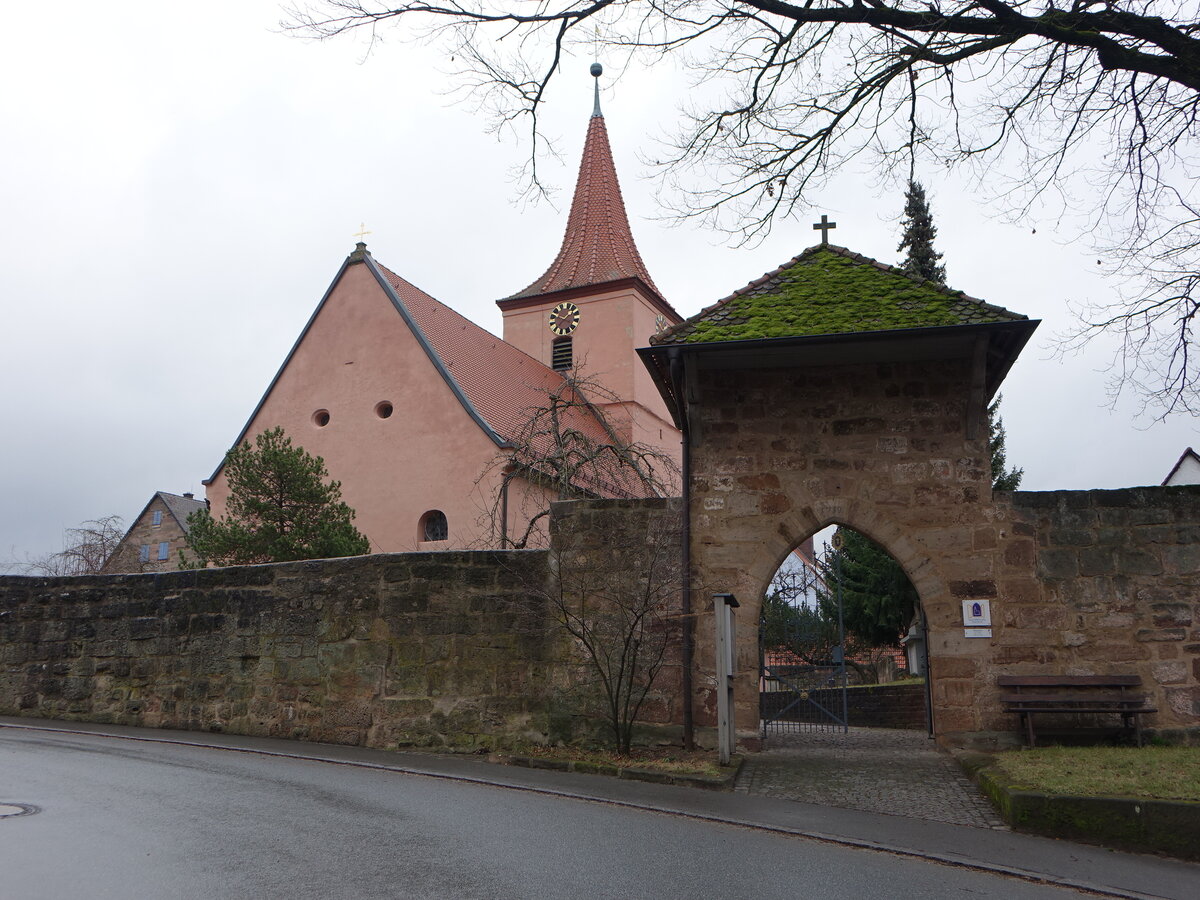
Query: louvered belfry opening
x=560, y=357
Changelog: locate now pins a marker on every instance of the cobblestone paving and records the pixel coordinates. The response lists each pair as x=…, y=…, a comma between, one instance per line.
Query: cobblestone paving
x=881, y=770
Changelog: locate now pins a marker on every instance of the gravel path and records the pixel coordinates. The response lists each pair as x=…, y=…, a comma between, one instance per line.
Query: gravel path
x=883, y=770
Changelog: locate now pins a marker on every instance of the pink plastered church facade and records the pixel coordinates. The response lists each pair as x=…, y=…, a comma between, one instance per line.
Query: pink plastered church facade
x=410, y=404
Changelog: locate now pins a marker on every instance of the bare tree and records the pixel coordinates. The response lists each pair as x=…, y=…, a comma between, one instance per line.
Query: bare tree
x=86, y=548
x=617, y=604
x=1091, y=104
x=567, y=448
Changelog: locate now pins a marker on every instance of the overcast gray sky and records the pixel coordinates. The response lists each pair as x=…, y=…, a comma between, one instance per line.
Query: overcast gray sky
x=180, y=183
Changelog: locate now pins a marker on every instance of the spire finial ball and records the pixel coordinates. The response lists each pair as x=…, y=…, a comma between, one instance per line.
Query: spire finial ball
x=597, y=70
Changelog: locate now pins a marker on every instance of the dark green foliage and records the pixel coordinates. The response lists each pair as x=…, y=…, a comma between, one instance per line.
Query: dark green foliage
x=919, y=232
x=878, y=600
x=279, y=509
x=791, y=625
x=1002, y=479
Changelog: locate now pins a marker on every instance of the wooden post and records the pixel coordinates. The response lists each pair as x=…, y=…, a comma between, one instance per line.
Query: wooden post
x=723, y=606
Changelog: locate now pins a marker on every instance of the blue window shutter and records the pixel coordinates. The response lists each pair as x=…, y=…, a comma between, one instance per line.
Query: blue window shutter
x=163, y=546
x=144, y=553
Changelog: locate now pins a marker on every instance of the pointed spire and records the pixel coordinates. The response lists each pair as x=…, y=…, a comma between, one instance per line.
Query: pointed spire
x=598, y=246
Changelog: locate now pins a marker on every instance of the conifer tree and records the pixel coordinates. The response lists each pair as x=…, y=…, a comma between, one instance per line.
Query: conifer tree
x=878, y=600
x=919, y=232
x=279, y=509
x=1002, y=479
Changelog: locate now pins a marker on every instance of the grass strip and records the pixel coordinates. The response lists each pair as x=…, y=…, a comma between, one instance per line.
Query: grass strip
x=1161, y=773
x=670, y=761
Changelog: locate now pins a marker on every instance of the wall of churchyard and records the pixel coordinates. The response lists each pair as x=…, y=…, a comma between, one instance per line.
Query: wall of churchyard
x=1079, y=582
x=396, y=650
x=458, y=649
x=1119, y=573
x=605, y=551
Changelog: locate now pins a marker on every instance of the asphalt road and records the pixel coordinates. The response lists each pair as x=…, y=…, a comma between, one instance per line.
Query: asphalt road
x=132, y=820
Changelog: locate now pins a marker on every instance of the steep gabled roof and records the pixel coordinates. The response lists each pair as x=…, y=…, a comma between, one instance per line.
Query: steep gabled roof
x=180, y=507
x=598, y=246
x=830, y=290
x=1188, y=454
x=496, y=383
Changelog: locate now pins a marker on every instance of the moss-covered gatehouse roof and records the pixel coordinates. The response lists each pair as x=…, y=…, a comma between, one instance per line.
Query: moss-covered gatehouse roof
x=831, y=290
x=830, y=304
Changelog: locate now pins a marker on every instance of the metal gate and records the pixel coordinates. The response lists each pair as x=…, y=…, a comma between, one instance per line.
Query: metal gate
x=802, y=686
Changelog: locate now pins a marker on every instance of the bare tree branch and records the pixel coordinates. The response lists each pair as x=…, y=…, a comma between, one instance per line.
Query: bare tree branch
x=567, y=448
x=86, y=548
x=1091, y=105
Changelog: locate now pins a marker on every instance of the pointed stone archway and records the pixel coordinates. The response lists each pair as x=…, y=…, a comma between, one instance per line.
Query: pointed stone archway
x=837, y=390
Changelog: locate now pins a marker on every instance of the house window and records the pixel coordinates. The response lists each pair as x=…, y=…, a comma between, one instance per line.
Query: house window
x=321, y=418
x=434, y=526
x=158, y=517
x=163, y=547
x=560, y=355
x=144, y=553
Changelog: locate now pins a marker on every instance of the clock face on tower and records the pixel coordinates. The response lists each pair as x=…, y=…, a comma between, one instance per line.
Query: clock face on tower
x=564, y=318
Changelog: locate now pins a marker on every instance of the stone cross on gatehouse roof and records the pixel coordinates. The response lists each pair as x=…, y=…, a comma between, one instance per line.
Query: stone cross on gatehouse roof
x=824, y=226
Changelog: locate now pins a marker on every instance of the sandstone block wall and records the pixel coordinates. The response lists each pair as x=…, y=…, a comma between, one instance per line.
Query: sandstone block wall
x=780, y=453
x=126, y=558
x=1117, y=590
x=423, y=649
x=629, y=550
x=1097, y=582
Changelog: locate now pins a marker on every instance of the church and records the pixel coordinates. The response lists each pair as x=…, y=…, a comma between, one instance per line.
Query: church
x=411, y=404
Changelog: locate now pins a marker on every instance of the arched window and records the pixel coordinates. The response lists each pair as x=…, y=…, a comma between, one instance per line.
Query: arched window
x=433, y=526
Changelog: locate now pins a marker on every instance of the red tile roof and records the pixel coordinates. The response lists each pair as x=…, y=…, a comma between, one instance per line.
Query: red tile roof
x=500, y=381
x=598, y=246
x=504, y=384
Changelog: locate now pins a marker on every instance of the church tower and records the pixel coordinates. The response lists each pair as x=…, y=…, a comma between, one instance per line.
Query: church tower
x=597, y=303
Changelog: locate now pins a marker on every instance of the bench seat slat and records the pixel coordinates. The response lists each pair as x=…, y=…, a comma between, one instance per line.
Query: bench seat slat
x=1064, y=681
x=1125, y=699
x=1124, y=710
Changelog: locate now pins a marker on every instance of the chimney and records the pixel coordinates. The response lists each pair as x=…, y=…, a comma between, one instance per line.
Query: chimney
x=188, y=495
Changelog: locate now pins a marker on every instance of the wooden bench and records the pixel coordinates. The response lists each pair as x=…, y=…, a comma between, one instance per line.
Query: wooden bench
x=1027, y=695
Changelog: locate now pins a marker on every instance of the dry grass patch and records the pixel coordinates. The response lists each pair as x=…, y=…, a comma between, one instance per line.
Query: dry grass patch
x=1161, y=773
x=655, y=759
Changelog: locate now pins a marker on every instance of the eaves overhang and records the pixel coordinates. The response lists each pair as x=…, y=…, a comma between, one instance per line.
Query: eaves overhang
x=667, y=362
x=509, y=304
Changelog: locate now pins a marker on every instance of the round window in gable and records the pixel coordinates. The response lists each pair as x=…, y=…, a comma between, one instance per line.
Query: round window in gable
x=383, y=409
x=321, y=418
x=433, y=526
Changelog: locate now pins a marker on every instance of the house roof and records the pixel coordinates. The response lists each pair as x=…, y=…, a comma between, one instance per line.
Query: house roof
x=1187, y=454
x=598, y=245
x=180, y=507
x=829, y=290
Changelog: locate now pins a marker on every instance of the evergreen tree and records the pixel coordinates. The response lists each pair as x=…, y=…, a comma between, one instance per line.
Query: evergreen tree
x=1002, y=479
x=279, y=509
x=919, y=232
x=878, y=600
